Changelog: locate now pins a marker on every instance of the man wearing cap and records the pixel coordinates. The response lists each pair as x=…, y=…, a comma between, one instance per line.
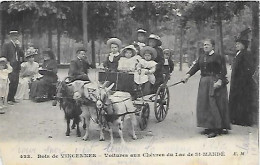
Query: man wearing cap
x=79, y=67
x=242, y=84
x=14, y=54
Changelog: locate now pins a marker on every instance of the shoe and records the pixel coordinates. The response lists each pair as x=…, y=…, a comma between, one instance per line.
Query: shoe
x=2, y=110
x=10, y=102
x=223, y=131
x=15, y=101
x=205, y=132
x=212, y=135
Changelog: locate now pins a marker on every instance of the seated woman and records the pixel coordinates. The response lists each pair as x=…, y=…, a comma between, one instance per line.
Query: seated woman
x=144, y=76
x=42, y=89
x=128, y=59
x=28, y=73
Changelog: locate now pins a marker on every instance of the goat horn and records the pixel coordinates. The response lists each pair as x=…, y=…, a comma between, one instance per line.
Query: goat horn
x=105, y=84
x=110, y=87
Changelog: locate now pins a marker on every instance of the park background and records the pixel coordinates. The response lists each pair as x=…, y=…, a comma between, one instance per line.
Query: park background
x=182, y=25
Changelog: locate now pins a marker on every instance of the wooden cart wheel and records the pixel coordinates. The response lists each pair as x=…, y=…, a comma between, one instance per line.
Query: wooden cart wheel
x=161, y=103
x=145, y=113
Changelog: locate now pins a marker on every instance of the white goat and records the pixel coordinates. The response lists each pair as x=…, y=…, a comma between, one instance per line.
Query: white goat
x=116, y=108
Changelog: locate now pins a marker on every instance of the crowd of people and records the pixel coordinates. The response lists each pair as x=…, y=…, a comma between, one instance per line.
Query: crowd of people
x=22, y=78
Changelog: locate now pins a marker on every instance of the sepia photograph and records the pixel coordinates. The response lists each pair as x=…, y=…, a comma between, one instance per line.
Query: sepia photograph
x=129, y=82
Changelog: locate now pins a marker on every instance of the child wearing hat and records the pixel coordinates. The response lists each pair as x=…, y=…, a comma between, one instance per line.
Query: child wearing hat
x=28, y=73
x=113, y=57
x=146, y=67
x=141, y=39
x=168, y=65
x=129, y=59
x=5, y=69
x=155, y=42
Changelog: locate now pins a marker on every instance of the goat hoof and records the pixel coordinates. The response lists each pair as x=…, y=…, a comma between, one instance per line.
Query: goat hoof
x=67, y=134
x=85, y=138
x=84, y=126
x=79, y=134
x=134, y=137
x=102, y=139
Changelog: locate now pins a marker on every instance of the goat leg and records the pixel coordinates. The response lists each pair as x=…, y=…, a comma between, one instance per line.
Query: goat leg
x=101, y=133
x=86, y=136
x=111, y=135
x=120, y=131
x=133, y=123
x=73, y=124
x=77, y=123
x=68, y=127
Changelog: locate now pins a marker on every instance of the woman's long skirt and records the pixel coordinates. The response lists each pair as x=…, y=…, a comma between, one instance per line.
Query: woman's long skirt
x=212, y=105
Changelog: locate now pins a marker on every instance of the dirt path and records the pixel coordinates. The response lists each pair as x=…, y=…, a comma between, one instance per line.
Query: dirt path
x=39, y=128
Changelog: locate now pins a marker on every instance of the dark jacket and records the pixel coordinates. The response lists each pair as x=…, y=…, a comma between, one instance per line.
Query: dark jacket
x=52, y=67
x=112, y=65
x=212, y=103
x=167, y=69
x=79, y=70
x=9, y=51
x=241, y=89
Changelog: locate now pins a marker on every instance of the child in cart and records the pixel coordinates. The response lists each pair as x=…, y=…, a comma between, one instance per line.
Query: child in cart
x=129, y=59
x=111, y=63
x=141, y=40
x=144, y=75
x=168, y=65
x=5, y=69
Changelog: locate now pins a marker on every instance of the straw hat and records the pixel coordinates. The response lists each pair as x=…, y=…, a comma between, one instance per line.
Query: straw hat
x=13, y=32
x=151, y=50
x=157, y=38
x=129, y=47
x=3, y=60
x=114, y=41
x=141, y=31
x=31, y=51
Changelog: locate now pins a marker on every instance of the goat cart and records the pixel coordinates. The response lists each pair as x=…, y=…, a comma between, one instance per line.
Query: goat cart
x=124, y=81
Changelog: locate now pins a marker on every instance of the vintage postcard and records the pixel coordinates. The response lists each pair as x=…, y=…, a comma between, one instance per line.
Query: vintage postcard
x=129, y=82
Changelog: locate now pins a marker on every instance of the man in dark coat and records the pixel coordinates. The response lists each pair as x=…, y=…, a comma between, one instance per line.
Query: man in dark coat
x=79, y=67
x=242, y=84
x=14, y=54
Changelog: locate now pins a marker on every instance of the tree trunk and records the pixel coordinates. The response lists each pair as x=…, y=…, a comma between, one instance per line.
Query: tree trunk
x=58, y=40
x=85, y=24
x=200, y=28
x=49, y=37
x=93, y=52
x=220, y=34
x=255, y=53
x=255, y=32
x=181, y=52
x=147, y=19
x=1, y=23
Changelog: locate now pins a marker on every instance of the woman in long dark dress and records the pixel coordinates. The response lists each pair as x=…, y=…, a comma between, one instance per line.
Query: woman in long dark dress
x=242, y=85
x=212, y=100
x=42, y=89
